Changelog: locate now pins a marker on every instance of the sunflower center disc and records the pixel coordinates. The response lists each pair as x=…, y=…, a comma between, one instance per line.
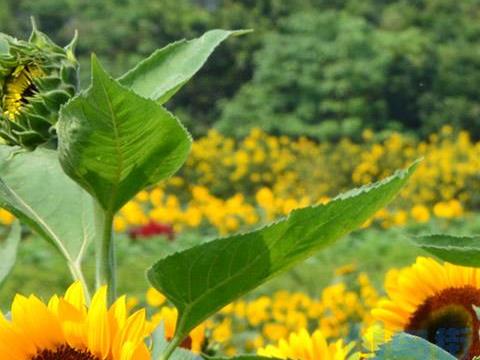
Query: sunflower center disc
x=64, y=352
x=448, y=320
x=19, y=88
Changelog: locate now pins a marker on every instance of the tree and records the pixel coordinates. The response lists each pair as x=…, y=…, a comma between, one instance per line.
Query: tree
x=321, y=74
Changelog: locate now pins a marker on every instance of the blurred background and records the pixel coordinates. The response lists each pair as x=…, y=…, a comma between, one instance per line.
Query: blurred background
x=321, y=97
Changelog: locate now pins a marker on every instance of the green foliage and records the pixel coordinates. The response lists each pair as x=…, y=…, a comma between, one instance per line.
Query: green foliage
x=401, y=64
x=323, y=83
x=175, y=64
x=330, y=74
x=453, y=99
x=460, y=250
x=408, y=347
x=8, y=250
x=35, y=189
x=203, y=279
x=115, y=143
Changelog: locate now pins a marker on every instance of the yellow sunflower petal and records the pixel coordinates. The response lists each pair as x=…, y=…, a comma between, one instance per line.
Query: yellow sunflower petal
x=99, y=338
x=36, y=320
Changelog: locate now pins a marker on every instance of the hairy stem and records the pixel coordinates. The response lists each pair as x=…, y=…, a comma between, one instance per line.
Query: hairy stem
x=105, y=252
x=172, y=345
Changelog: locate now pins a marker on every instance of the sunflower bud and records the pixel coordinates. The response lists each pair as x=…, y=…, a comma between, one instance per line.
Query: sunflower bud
x=36, y=78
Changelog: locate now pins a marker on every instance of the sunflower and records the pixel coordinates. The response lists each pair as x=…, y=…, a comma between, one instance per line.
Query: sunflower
x=303, y=346
x=36, y=78
x=435, y=301
x=66, y=329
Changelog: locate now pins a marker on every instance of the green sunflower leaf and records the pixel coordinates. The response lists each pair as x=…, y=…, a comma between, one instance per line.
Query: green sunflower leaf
x=35, y=189
x=408, y=347
x=114, y=143
x=8, y=250
x=162, y=74
x=459, y=250
x=205, y=278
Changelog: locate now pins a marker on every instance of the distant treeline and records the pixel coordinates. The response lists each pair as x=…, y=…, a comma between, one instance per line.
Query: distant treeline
x=318, y=67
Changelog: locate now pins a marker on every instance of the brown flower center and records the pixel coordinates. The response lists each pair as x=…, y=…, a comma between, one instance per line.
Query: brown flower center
x=448, y=320
x=64, y=352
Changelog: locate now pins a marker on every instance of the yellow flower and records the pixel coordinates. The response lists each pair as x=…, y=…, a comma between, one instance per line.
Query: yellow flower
x=67, y=329
x=257, y=311
x=142, y=196
x=264, y=197
x=119, y=224
x=168, y=317
x=302, y=346
x=420, y=213
x=155, y=298
x=156, y=197
x=274, y=331
x=448, y=209
x=133, y=213
x=435, y=301
x=400, y=218
x=223, y=331
x=6, y=218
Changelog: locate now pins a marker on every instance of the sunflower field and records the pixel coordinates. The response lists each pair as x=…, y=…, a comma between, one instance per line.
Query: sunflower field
x=123, y=237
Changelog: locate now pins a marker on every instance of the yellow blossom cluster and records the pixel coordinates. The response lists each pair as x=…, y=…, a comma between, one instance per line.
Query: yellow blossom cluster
x=300, y=168
x=446, y=179
x=341, y=311
x=231, y=185
x=224, y=215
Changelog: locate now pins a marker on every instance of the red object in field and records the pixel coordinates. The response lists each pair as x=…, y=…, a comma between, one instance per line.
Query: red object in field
x=152, y=229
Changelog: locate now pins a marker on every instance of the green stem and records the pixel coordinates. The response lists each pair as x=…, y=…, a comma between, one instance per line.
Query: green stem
x=172, y=345
x=105, y=253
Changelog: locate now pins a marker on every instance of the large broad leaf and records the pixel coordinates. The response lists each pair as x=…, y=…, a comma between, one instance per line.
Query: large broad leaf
x=115, y=143
x=408, y=347
x=460, y=250
x=203, y=279
x=162, y=74
x=34, y=187
x=8, y=250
